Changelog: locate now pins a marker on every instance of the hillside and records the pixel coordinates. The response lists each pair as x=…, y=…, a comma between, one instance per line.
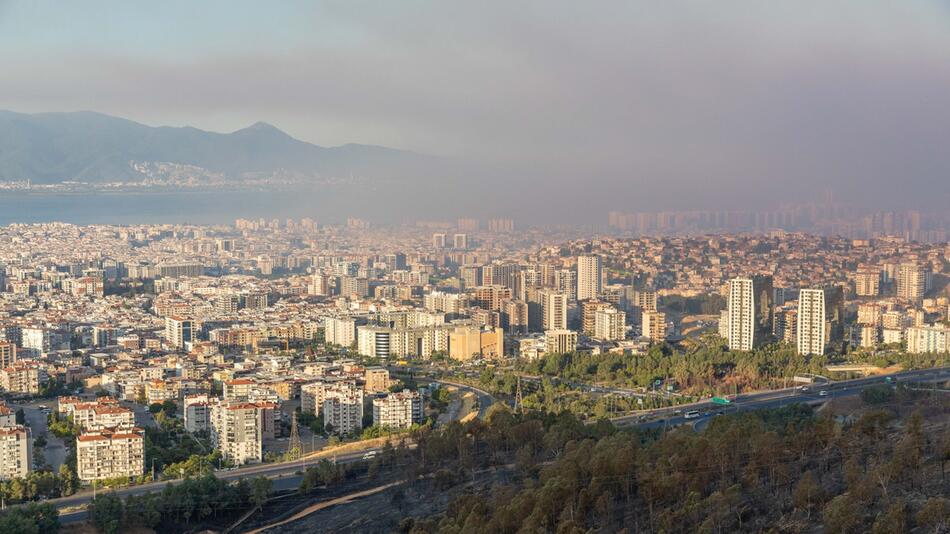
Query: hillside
x=91, y=147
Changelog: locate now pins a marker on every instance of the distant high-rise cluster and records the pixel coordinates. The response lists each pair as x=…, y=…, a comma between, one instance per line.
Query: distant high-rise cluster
x=825, y=219
x=501, y=225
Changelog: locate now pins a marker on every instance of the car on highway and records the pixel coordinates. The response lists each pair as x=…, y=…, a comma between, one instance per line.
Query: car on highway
x=370, y=455
x=823, y=393
x=692, y=414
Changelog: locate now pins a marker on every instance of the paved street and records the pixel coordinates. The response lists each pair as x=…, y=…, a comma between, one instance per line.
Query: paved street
x=55, y=451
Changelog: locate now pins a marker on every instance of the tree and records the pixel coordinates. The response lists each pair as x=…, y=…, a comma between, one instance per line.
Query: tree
x=107, y=513
x=260, y=491
x=170, y=408
x=30, y=519
x=894, y=519
x=935, y=514
x=842, y=515
x=68, y=482
x=807, y=492
x=876, y=395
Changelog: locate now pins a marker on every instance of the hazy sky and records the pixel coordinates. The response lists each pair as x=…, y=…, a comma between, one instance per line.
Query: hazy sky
x=665, y=101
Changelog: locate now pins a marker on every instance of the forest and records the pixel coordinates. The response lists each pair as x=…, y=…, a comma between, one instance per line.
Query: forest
x=881, y=469
x=705, y=366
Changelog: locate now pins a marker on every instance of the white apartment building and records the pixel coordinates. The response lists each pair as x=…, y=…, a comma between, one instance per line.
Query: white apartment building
x=340, y=330
x=589, y=277
x=412, y=342
x=343, y=410
x=610, y=324
x=811, y=321
x=867, y=283
x=925, y=339
x=237, y=430
x=553, y=310
x=438, y=301
x=16, y=452
x=565, y=281
x=179, y=331
x=238, y=388
x=106, y=454
x=397, y=410
x=197, y=412
x=913, y=281
x=750, y=311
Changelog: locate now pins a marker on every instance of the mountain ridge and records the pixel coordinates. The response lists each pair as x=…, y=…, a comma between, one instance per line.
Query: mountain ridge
x=53, y=147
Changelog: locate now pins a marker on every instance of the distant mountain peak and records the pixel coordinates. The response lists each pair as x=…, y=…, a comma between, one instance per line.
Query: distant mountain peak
x=261, y=126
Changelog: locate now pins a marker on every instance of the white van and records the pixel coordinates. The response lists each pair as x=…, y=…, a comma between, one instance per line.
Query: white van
x=692, y=414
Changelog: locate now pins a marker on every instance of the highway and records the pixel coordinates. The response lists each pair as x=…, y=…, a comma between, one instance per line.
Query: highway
x=674, y=416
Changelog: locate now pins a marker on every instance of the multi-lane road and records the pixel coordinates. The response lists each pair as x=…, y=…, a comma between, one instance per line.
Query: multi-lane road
x=814, y=394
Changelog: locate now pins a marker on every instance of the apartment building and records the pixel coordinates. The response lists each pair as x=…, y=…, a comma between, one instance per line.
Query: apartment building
x=653, y=325
x=108, y=454
x=16, y=452
x=468, y=341
x=340, y=330
x=23, y=376
x=343, y=410
x=553, y=310
x=610, y=324
x=7, y=354
x=867, y=283
x=589, y=277
x=179, y=331
x=560, y=341
x=237, y=430
x=913, y=281
x=820, y=319
x=377, y=379
x=750, y=312
x=197, y=412
x=238, y=388
x=927, y=339
x=397, y=410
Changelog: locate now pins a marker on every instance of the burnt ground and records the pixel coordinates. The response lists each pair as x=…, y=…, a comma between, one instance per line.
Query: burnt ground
x=384, y=511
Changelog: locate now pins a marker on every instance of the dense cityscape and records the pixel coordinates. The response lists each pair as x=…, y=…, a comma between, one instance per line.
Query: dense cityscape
x=463, y=268
x=157, y=352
